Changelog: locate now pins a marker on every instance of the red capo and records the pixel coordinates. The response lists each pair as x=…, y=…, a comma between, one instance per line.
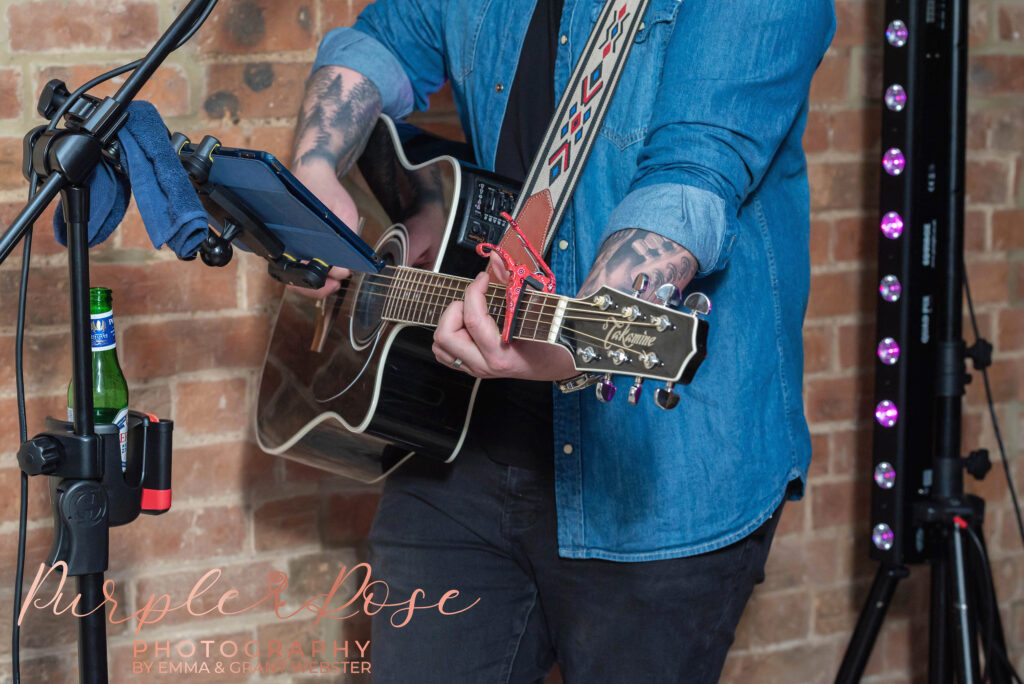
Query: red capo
x=518, y=276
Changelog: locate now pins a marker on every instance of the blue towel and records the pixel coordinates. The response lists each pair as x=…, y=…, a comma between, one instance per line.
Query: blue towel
x=167, y=201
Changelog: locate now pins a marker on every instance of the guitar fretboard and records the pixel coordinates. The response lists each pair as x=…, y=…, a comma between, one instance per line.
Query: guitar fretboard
x=420, y=297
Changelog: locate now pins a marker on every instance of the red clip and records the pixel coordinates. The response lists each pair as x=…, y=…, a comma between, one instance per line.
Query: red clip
x=960, y=522
x=518, y=275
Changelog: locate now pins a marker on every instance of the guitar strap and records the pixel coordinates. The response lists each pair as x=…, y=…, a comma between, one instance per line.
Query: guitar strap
x=570, y=136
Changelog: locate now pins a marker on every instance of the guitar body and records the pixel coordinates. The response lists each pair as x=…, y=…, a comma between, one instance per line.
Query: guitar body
x=344, y=390
x=350, y=383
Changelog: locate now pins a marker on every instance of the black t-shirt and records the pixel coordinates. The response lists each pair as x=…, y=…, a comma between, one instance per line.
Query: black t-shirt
x=512, y=418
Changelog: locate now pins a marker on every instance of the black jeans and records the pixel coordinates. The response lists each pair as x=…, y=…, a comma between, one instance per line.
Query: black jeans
x=489, y=531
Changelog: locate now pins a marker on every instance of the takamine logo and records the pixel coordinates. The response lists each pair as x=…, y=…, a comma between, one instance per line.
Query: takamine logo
x=622, y=334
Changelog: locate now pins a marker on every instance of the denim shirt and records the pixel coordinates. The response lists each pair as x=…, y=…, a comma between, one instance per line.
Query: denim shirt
x=701, y=144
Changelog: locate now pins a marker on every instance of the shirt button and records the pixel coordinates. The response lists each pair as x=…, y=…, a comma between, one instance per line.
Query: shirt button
x=564, y=39
x=563, y=245
x=498, y=88
x=567, y=449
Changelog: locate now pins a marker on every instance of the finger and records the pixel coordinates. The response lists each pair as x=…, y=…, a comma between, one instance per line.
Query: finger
x=498, y=268
x=478, y=323
x=454, y=341
x=338, y=273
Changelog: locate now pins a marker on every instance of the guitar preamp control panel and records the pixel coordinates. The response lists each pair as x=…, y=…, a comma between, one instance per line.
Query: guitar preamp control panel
x=484, y=198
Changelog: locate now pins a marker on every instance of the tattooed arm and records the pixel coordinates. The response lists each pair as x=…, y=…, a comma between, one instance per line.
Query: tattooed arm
x=627, y=253
x=337, y=116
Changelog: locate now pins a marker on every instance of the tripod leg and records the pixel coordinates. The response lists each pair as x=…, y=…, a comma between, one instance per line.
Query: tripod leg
x=92, y=632
x=965, y=636
x=870, y=621
x=939, y=671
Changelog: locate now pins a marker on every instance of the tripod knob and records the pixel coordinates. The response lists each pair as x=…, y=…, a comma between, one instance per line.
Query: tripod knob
x=40, y=456
x=978, y=464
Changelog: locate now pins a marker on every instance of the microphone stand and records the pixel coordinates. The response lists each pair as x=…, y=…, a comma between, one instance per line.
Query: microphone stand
x=90, y=498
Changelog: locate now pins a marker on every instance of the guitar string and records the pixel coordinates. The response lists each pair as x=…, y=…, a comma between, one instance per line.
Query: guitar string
x=547, y=304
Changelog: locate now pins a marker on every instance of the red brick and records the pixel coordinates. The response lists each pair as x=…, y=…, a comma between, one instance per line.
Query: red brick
x=974, y=231
x=820, y=247
x=262, y=292
x=1008, y=229
x=851, y=451
x=870, y=84
x=1011, y=330
x=831, y=81
x=123, y=660
x=47, y=362
x=82, y=24
x=38, y=493
x=770, y=618
x=43, y=240
x=989, y=280
x=842, y=185
x=10, y=93
x=1007, y=381
x=256, y=90
x=817, y=349
x=349, y=517
x=36, y=411
x=858, y=345
x=840, y=294
x=816, y=132
x=248, y=579
x=180, y=533
x=858, y=22
x=800, y=663
x=856, y=239
x=214, y=406
x=274, y=139
x=165, y=348
x=839, y=503
x=996, y=74
x=857, y=130
x=168, y=287
x=335, y=14
x=10, y=165
x=251, y=26
x=978, y=29
x=284, y=523
x=168, y=88
x=988, y=182
x=837, y=399
x=1011, y=23
x=214, y=470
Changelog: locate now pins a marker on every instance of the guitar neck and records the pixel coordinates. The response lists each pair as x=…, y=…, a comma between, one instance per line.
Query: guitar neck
x=418, y=297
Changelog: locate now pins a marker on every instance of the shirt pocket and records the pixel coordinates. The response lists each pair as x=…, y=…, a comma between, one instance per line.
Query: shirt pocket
x=629, y=114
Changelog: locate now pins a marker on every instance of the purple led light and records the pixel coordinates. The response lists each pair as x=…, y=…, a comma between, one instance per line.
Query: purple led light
x=894, y=162
x=892, y=225
x=890, y=288
x=896, y=33
x=888, y=351
x=896, y=97
x=885, y=475
x=886, y=413
x=882, y=537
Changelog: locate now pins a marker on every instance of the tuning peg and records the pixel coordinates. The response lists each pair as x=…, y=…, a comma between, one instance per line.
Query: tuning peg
x=640, y=284
x=635, y=390
x=698, y=302
x=666, y=398
x=605, y=389
x=668, y=295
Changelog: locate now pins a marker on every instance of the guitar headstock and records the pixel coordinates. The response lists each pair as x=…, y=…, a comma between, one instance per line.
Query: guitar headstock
x=614, y=333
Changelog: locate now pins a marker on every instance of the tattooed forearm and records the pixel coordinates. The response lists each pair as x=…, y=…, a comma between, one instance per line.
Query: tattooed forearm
x=336, y=118
x=627, y=253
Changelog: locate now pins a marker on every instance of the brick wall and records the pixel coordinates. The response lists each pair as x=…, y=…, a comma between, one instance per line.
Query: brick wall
x=191, y=341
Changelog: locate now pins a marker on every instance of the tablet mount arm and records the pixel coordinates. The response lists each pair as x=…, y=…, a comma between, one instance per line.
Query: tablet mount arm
x=237, y=221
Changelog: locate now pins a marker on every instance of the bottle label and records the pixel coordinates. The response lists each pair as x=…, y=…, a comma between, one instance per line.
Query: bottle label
x=121, y=421
x=103, y=331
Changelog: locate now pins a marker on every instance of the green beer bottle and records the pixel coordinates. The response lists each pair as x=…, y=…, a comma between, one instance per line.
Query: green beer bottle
x=109, y=389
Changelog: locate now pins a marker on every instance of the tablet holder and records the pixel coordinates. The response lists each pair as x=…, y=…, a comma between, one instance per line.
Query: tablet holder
x=237, y=221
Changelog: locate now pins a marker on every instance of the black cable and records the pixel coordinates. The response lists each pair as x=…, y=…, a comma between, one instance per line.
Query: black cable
x=992, y=413
x=19, y=379
x=991, y=646
x=19, y=345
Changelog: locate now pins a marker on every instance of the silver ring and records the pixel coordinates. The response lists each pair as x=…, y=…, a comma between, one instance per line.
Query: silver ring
x=456, y=363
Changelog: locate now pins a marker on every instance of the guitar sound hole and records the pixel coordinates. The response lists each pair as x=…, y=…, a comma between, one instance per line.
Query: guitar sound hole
x=370, y=299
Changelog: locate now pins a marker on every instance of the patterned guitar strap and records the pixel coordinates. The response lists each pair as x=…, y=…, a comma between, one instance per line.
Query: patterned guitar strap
x=564, y=151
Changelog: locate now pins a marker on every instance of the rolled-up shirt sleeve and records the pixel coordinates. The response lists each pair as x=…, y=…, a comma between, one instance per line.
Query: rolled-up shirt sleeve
x=735, y=81
x=397, y=45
